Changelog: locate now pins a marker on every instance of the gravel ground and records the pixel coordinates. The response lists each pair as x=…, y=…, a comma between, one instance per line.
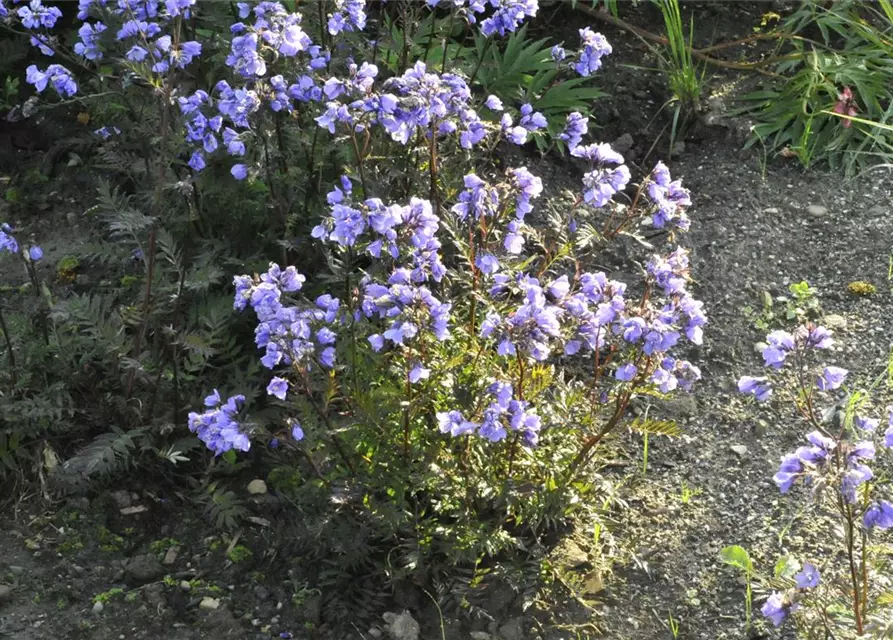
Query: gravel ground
x=751, y=232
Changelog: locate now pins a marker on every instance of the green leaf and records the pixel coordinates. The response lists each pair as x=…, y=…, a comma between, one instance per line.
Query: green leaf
x=737, y=556
x=786, y=566
x=668, y=428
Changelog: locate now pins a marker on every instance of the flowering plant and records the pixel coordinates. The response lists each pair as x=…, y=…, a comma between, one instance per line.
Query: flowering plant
x=435, y=346
x=831, y=468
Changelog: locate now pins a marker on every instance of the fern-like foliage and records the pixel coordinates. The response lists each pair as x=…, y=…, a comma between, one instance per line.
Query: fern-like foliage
x=108, y=453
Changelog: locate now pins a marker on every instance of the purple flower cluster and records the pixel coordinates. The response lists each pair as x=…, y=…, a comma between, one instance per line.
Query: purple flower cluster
x=7, y=241
x=502, y=415
x=780, y=605
x=408, y=308
x=56, y=75
x=35, y=16
x=597, y=312
x=203, y=131
x=607, y=176
x=394, y=230
x=507, y=17
x=575, y=128
x=274, y=28
x=291, y=335
x=479, y=200
x=219, y=427
x=779, y=346
x=595, y=47
x=670, y=199
x=810, y=462
x=349, y=15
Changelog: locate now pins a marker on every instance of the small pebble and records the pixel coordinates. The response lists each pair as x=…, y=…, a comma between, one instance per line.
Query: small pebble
x=97, y=608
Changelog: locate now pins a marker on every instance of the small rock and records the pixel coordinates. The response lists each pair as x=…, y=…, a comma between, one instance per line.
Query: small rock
x=97, y=608
x=16, y=570
x=132, y=511
x=257, y=487
x=739, y=449
x=877, y=211
x=816, y=210
x=209, y=604
x=759, y=347
x=154, y=594
x=143, y=569
x=121, y=499
x=772, y=211
x=402, y=626
x=623, y=144
x=185, y=586
x=375, y=633
x=512, y=630
x=834, y=322
x=171, y=556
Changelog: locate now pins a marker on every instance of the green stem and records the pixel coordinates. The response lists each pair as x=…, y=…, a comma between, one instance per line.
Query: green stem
x=9, y=352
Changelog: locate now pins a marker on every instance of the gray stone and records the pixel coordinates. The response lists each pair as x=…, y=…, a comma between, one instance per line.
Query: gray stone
x=97, y=608
x=739, y=449
x=816, y=210
x=209, y=604
x=512, y=630
x=185, y=586
x=684, y=406
x=402, y=626
x=257, y=487
x=154, y=594
x=772, y=211
x=623, y=144
x=16, y=570
x=5, y=593
x=835, y=322
x=375, y=633
x=143, y=569
x=171, y=556
x=121, y=499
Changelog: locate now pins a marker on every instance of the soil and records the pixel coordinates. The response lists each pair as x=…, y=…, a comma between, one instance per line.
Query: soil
x=758, y=225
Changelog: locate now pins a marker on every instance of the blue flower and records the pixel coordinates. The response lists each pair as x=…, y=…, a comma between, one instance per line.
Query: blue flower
x=808, y=577
x=57, y=75
x=35, y=15
x=218, y=427
x=758, y=387
x=831, y=378
x=278, y=387
x=595, y=47
x=35, y=253
x=7, y=241
x=879, y=514
x=626, y=372
x=777, y=608
x=239, y=171
x=296, y=431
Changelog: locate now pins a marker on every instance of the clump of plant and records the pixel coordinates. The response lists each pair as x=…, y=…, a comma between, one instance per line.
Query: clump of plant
x=832, y=101
x=861, y=288
x=440, y=361
x=802, y=304
x=843, y=593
